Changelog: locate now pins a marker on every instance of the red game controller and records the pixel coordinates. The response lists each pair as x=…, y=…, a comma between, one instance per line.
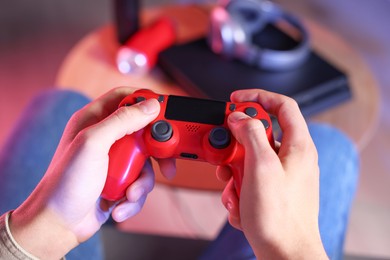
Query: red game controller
x=186, y=128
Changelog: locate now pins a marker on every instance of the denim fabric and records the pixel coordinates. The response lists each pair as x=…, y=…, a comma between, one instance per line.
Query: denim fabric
x=339, y=174
x=27, y=153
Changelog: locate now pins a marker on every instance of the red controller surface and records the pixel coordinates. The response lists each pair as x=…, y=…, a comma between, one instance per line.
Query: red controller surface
x=186, y=128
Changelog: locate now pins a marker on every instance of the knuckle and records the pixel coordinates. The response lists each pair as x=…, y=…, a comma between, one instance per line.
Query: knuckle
x=86, y=140
x=249, y=131
x=289, y=104
x=76, y=117
x=124, y=114
x=252, y=126
x=306, y=148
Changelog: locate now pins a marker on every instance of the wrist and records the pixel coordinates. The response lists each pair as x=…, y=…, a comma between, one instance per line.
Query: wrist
x=305, y=253
x=298, y=249
x=40, y=234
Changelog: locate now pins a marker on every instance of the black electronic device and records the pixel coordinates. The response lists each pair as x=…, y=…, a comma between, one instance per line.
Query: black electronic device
x=126, y=14
x=316, y=84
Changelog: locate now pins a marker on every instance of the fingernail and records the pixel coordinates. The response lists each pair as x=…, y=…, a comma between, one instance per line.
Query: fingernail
x=137, y=193
x=121, y=214
x=237, y=116
x=148, y=106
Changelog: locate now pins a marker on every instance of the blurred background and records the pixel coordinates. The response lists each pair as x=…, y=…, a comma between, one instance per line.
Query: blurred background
x=35, y=37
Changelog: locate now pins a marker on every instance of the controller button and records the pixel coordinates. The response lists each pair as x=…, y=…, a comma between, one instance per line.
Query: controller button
x=160, y=98
x=232, y=107
x=251, y=111
x=140, y=99
x=127, y=105
x=265, y=123
x=219, y=138
x=162, y=131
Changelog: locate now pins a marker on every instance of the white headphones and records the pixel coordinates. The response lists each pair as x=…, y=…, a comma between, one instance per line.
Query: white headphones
x=233, y=26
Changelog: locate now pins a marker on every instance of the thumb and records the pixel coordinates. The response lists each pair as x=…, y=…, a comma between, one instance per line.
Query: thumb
x=252, y=135
x=124, y=121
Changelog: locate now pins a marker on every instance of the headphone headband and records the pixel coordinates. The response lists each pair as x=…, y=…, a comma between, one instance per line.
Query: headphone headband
x=232, y=28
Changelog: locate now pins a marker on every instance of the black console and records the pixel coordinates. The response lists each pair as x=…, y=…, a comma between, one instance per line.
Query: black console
x=316, y=84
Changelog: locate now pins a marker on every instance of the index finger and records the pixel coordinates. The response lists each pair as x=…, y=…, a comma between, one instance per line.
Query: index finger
x=93, y=113
x=100, y=108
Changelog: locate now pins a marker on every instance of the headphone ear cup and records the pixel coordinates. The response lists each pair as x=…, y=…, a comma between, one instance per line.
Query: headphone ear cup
x=226, y=36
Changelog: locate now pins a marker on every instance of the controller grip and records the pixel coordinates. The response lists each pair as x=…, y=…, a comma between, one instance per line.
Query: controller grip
x=237, y=168
x=125, y=165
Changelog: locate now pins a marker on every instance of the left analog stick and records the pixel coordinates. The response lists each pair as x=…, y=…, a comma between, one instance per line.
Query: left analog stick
x=162, y=131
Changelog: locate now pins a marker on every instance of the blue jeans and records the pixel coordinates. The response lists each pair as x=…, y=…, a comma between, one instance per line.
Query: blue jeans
x=30, y=147
x=27, y=153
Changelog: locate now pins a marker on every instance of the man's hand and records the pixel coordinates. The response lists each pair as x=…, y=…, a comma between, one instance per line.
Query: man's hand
x=65, y=209
x=279, y=200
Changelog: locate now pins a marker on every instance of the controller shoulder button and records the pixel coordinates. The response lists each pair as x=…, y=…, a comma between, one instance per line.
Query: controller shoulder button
x=140, y=99
x=265, y=123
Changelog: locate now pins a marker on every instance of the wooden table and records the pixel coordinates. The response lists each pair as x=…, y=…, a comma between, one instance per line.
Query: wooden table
x=90, y=69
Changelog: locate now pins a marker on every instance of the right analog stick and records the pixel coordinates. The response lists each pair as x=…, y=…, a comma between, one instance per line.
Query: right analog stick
x=219, y=137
